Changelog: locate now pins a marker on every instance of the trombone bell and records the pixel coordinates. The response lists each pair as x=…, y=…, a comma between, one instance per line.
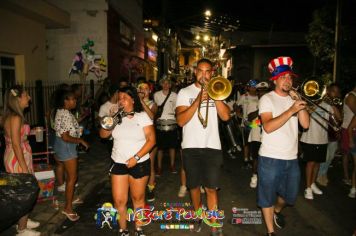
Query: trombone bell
x=311, y=88
x=219, y=88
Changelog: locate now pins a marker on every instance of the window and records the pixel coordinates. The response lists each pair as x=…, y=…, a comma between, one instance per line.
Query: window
x=7, y=74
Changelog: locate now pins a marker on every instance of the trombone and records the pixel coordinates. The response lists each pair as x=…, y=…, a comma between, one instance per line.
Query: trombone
x=218, y=88
x=313, y=91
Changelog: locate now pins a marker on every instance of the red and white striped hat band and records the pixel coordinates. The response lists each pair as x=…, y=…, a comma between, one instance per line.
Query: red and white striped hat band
x=280, y=66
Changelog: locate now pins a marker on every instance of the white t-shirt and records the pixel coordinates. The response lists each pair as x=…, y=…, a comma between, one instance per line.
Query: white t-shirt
x=255, y=133
x=194, y=135
x=318, y=127
x=170, y=106
x=249, y=104
x=107, y=109
x=129, y=137
x=65, y=121
x=283, y=142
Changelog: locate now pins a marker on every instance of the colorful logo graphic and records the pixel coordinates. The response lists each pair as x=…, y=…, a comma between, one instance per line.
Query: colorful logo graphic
x=107, y=215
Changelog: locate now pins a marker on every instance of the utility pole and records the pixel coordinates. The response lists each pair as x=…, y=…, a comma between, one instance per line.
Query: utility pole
x=337, y=38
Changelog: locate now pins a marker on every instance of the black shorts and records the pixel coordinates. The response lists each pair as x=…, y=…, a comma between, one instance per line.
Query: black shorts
x=138, y=171
x=254, y=148
x=314, y=152
x=202, y=167
x=167, y=139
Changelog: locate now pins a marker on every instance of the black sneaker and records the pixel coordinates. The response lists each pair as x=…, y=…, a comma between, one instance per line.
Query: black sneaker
x=279, y=220
x=139, y=232
x=247, y=165
x=271, y=234
x=124, y=232
x=150, y=195
x=197, y=226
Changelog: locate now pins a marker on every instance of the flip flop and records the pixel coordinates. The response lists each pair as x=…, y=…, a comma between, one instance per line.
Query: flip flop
x=71, y=216
x=77, y=201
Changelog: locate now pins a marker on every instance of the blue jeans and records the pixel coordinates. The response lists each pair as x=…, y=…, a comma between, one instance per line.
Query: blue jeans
x=277, y=177
x=330, y=153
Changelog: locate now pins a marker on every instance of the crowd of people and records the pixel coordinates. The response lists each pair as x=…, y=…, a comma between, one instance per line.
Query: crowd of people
x=276, y=127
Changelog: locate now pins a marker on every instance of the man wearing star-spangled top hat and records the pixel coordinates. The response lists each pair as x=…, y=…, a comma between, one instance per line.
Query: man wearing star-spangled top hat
x=278, y=169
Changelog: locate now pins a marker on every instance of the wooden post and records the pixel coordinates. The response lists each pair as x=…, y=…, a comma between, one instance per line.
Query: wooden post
x=92, y=104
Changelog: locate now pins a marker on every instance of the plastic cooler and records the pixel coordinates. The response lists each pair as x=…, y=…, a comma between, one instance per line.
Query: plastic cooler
x=45, y=176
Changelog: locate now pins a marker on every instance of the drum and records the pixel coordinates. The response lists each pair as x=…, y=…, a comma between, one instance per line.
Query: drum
x=232, y=134
x=166, y=125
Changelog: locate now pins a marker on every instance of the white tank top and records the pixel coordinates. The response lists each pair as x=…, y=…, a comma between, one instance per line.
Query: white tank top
x=348, y=114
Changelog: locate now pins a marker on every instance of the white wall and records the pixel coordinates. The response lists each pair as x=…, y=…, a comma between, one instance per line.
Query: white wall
x=88, y=20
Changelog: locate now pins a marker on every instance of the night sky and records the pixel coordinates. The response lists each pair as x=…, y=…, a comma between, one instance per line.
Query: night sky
x=253, y=15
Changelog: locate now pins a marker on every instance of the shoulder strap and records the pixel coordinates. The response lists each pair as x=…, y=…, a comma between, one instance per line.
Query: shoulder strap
x=165, y=100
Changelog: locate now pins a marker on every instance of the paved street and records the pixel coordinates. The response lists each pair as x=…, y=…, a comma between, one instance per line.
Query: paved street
x=330, y=214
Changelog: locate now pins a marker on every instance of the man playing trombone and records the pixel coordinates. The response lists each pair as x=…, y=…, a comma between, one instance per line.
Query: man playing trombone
x=278, y=169
x=201, y=147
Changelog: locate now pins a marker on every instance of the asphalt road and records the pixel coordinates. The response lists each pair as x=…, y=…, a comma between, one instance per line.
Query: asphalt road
x=332, y=213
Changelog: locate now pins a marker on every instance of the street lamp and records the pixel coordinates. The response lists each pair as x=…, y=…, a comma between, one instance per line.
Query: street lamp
x=207, y=13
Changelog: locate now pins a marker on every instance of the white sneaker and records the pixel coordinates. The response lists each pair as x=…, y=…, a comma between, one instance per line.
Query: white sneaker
x=352, y=193
x=62, y=188
x=28, y=232
x=202, y=190
x=308, y=194
x=253, y=183
x=31, y=224
x=315, y=189
x=182, y=191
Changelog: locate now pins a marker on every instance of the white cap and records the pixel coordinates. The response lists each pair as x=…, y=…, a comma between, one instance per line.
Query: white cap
x=262, y=85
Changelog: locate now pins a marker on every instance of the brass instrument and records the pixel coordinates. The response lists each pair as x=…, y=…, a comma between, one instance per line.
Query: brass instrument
x=314, y=91
x=332, y=101
x=109, y=122
x=218, y=88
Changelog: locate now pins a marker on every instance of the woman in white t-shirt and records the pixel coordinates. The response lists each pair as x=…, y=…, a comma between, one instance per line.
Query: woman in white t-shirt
x=133, y=138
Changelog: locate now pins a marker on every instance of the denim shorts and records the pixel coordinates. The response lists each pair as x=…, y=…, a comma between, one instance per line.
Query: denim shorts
x=277, y=177
x=64, y=151
x=202, y=167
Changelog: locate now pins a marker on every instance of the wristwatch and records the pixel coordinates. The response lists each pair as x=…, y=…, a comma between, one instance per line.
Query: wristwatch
x=137, y=158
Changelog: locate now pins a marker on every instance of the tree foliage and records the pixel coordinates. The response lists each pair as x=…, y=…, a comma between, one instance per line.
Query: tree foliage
x=321, y=35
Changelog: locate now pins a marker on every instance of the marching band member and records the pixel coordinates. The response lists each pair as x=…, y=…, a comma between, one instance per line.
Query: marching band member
x=133, y=138
x=150, y=108
x=201, y=147
x=278, y=168
x=166, y=125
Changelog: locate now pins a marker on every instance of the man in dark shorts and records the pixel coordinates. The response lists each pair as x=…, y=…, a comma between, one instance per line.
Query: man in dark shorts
x=166, y=125
x=201, y=147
